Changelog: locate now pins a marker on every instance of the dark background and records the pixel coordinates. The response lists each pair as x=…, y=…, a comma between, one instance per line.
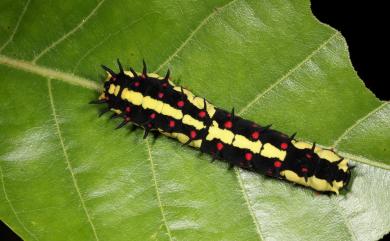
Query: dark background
x=363, y=26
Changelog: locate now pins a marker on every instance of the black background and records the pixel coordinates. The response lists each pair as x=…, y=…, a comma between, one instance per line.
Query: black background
x=363, y=24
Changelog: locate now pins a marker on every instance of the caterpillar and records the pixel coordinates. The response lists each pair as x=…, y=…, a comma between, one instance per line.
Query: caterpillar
x=155, y=103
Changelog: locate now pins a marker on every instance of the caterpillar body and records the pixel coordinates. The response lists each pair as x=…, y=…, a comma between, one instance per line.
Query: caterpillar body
x=157, y=104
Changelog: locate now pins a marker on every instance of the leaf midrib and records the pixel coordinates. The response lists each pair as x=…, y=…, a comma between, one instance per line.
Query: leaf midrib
x=67, y=161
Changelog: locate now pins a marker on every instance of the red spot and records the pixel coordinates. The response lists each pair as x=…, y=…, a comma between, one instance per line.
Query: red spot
x=128, y=109
x=284, y=146
x=309, y=156
x=171, y=123
x=164, y=85
x=150, y=125
x=304, y=169
x=160, y=95
x=277, y=164
x=255, y=135
x=248, y=156
x=136, y=84
x=219, y=146
x=202, y=114
x=228, y=124
x=193, y=134
x=153, y=115
x=180, y=103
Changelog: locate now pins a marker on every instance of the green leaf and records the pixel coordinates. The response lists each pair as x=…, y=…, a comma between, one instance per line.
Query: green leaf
x=66, y=175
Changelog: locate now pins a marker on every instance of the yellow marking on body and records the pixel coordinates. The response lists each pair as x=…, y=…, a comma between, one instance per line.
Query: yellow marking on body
x=108, y=76
x=343, y=165
x=131, y=96
x=128, y=73
x=117, y=89
x=116, y=110
x=148, y=102
x=224, y=135
x=314, y=182
x=153, y=75
x=182, y=138
x=111, y=89
x=102, y=96
x=271, y=151
x=305, y=145
x=153, y=104
x=301, y=144
x=189, y=120
x=197, y=101
x=328, y=155
x=172, y=112
x=244, y=143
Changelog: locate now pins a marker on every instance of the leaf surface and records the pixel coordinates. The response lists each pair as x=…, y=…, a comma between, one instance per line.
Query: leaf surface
x=66, y=175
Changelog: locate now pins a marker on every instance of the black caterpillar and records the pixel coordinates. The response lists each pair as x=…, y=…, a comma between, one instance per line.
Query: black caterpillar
x=155, y=103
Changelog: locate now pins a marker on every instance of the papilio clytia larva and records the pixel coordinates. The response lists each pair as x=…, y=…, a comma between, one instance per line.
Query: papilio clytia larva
x=157, y=104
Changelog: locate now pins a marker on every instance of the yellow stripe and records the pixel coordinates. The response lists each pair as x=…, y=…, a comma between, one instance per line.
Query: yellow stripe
x=197, y=101
x=153, y=75
x=116, y=110
x=108, y=76
x=102, y=96
x=131, y=96
x=271, y=151
x=313, y=181
x=188, y=120
x=147, y=102
x=153, y=104
x=172, y=112
x=215, y=132
x=116, y=91
x=301, y=144
x=328, y=155
x=244, y=143
x=182, y=138
x=128, y=73
x=111, y=89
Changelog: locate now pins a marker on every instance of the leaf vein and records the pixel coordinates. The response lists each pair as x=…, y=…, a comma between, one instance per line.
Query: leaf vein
x=65, y=36
x=356, y=123
x=248, y=203
x=108, y=36
x=69, y=165
x=193, y=33
x=287, y=74
x=11, y=37
x=12, y=206
x=157, y=189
